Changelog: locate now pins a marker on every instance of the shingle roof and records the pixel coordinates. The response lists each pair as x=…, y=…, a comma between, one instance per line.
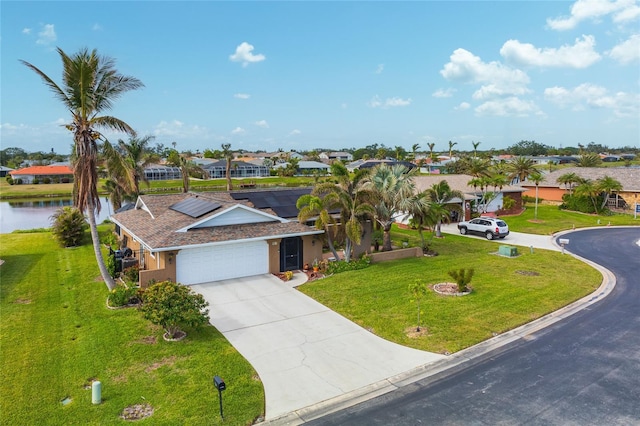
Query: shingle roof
x=156, y=225
x=456, y=182
x=629, y=177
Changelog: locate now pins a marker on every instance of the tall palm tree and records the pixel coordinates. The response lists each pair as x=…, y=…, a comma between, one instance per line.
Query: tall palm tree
x=414, y=150
x=431, y=146
x=90, y=85
x=568, y=179
x=451, y=145
x=536, y=178
x=478, y=167
x=392, y=189
x=137, y=155
x=422, y=215
x=310, y=206
x=187, y=168
x=520, y=168
x=608, y=185
x=228, y=155
x=443, y=203
x=475, y=148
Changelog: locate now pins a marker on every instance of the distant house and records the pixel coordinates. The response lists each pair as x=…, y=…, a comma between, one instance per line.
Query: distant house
x=162, y=172
x=331, y=156
x=369, y=164
x=307, y=167
x=549, y=189
x=4, y=171
x=239, y=169
x=43, y=174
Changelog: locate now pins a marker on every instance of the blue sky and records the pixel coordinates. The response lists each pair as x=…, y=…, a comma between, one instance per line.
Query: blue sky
x=303, y=75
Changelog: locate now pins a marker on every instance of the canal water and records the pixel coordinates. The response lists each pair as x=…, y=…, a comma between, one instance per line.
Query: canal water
x=32, y=214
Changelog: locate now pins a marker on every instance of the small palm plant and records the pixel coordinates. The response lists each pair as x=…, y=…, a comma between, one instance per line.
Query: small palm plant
x=462, y=277
x=418, y=290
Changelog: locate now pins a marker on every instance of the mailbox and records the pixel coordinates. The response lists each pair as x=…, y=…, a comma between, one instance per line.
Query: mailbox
x=219, y=383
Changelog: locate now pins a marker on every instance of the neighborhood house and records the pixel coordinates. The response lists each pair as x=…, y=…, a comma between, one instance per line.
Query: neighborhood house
x=197, y=238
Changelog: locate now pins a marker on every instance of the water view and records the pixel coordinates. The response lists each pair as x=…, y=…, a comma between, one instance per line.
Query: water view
x=31, y=214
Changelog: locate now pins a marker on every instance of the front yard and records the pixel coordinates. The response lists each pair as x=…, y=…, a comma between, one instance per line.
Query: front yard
x=57, y=335
x=507, y=292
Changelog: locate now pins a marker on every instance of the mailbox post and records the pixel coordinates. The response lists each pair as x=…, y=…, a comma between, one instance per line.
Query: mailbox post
x=563, y=242
x=220, y=385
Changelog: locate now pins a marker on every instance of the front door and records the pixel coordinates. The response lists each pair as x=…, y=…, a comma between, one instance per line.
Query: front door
x=291, y=254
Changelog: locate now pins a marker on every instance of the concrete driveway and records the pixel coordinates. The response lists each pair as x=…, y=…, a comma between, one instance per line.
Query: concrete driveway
x=514, y=238
x=304, y=352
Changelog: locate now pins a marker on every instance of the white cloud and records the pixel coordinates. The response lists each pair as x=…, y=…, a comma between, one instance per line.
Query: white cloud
x=238, y=131
x=582, y=10
x=376, y=102
x=379, y=68
x=262, y=123
x=463, y=106
x=243, y=54
x=242, y=96
x=580, y=55
x=627, y=51
x=26, y=31
x=495, y=91
x=47, y=35
x=508, y=107
x=589, y=95
x=176, y=129
x=294, y=132
x=96, y=27
x=443, y=93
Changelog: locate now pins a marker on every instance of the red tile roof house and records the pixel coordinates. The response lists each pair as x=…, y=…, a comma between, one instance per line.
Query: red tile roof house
x=37, y=174
x=196, y=238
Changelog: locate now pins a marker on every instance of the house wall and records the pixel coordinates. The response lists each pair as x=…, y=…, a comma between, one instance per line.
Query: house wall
x=517, y=207
x=545, y=193
x=311, y=248
x=274, y=255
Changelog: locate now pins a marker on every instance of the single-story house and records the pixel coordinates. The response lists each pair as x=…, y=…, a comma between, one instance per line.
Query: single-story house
x=461, y=183
x=369, y=164
x=38, y=174
x=196, y=238
x=306, y=167
x=4, y=171
x=162, y=172
x=549, y=189
x=331, y=156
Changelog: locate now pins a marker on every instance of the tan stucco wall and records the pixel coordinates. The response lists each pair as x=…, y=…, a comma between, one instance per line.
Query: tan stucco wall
x=274, y=255
x=546, y=193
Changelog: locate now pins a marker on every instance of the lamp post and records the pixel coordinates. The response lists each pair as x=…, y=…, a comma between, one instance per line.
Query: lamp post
x=220, y=385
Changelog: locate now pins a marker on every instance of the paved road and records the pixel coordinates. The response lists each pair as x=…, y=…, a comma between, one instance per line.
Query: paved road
x=583, y=370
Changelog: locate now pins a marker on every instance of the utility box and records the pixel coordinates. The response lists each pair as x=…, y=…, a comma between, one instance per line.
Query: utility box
x=509, y=251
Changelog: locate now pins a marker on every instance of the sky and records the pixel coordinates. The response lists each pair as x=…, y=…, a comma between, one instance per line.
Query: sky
x=301, y=75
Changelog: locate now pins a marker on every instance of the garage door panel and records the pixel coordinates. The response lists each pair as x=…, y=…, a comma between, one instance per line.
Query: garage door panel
x=206, y=264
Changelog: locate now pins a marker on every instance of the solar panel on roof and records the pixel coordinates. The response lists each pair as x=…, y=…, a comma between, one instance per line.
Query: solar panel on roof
x=195, y=207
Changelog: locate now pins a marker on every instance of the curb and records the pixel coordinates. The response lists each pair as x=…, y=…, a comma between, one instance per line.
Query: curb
x=458, y=361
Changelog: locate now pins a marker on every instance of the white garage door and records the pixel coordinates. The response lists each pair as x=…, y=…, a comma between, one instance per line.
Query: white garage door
x=205, y=264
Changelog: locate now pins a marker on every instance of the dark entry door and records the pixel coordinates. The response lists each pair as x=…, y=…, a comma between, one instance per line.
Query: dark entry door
x=291, y=254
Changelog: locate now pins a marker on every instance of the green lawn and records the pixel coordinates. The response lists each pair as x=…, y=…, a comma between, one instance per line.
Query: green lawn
x=377, y=298
x=551, y=219
x=56, y=335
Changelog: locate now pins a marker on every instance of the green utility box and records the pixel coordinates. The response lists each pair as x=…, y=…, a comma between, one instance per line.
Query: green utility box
x=509, y=251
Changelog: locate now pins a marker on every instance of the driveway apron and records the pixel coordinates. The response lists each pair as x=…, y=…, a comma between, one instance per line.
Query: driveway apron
x=304, y=352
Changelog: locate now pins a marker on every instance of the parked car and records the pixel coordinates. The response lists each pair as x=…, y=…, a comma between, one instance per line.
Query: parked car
x=490, y=227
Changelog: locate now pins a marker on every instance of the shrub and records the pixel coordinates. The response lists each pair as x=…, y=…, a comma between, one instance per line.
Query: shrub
x=123, y=295
x=68, y=226
x=288, y=275
x=342, y=266
x=172, y=305
x=508, y=202
x=131, y=274
x=35, y=181
x=10, y=180
x=46, y=180
x=462, y=277
x=578, y=203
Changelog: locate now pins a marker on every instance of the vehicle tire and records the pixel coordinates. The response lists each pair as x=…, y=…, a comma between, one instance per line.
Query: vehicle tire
x=463, y=231
x=489, y=235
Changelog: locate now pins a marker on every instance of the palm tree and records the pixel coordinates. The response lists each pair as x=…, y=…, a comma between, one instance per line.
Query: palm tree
x=188, y=167
x=608, y=185
x=90, y=86
x=477, y=167
x=568, y=179
x=520, y=167
x=414, y=150
x=422, y=215
x=319, y=207
x=536, y=178
x=228, y=155
x=589, y=159
x=588, y=188
x=451, y=145
x=351, y=198
x=475, y=148
x=431, y=146
x=443, y=203
x=137, y=155
x=392, y=189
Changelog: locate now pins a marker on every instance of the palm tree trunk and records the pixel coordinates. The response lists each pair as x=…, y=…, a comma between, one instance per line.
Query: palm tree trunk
x=111, y=284
x=439, y=229
x=386, y=236
x=330, y=244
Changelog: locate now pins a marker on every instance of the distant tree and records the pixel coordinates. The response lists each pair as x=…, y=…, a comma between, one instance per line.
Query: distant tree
x=568, y=180
x=414, y=150
x=227, y=153
x=528, y=148
x=442, y=204
x=451, y=145
x=137, y=155
x=68, y=226
x=520, y=168
x=431, y=153
x=173, y=306
x=174, y=159
x=188, y=168
x=475, y=148
x=400, y=153
x=536, y=177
